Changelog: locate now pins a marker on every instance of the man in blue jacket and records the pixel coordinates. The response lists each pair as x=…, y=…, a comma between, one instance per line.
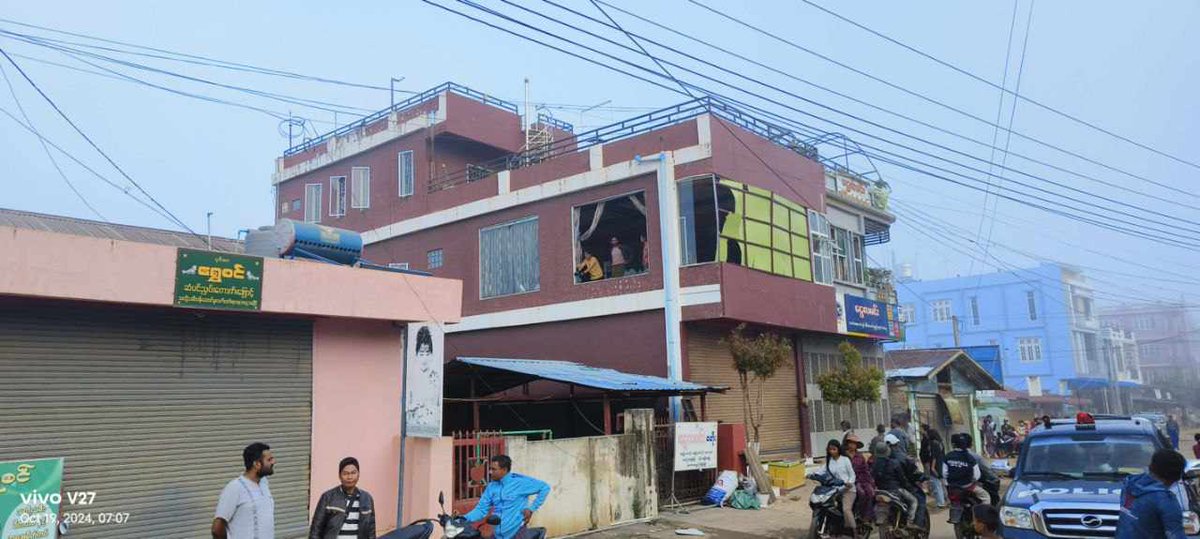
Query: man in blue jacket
x=1148, y=507
x=508, y=494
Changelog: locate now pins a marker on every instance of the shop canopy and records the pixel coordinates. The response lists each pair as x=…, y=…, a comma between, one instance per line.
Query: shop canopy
x=483, y=381
x=504, y=374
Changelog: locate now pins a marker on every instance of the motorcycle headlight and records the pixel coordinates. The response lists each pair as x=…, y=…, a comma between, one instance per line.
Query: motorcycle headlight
x=1016, y=517
x=1191, y=523
x=453, y=531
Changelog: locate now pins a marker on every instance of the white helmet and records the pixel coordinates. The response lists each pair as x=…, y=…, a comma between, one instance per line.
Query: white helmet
x=891, y=439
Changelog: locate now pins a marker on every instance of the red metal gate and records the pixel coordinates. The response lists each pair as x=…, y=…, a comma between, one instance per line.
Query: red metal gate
x=471, y=453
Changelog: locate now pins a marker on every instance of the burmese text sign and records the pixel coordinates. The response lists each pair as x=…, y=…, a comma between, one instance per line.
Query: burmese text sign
x=695, y=446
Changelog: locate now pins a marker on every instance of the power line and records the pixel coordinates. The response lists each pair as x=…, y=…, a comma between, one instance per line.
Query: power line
x=76, y=53
x=1012, y=25
x=175, y=56
x=932, y=100
x=45, y=148
x=1109, y=256
x=947, y=234
x=505, y=17
x=885, y=110
x=203, y=60
x=114, y=185
x=1051, y=209
x=1001, y=88
x=1011, y=117
x=93, y=143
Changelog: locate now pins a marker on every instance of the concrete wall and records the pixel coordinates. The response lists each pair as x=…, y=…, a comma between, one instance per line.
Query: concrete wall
x=595, y=482
x=429, y=470
x=362, y=361
x=62, y=266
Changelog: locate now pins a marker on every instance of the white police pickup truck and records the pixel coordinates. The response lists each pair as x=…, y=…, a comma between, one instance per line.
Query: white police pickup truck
x=1067, y=481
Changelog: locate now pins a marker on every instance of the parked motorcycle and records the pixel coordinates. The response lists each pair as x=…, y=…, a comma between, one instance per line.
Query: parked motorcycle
x=828, y=519
x=962, y=512
x=891, y=517
x=1006, y=445
x=453, y=527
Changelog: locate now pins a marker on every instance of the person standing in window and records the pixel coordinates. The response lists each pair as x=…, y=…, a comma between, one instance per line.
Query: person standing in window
x=618, y=258
x=589, y=270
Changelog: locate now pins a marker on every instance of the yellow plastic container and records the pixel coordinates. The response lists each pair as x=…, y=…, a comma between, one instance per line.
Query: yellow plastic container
x=786, y=475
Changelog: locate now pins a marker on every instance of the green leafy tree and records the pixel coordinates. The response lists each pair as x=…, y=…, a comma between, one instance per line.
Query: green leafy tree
x=756, y=360
x=853, y=382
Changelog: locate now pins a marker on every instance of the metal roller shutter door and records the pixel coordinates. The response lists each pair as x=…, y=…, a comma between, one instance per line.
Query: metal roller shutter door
x=711, y=363
x=152, y=408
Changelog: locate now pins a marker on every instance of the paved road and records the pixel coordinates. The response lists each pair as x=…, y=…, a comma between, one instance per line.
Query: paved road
x=787, y=519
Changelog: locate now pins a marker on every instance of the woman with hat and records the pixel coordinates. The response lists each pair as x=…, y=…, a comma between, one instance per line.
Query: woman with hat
x=864, y=483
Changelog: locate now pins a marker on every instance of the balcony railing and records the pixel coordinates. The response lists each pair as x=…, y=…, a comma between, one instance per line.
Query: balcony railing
x=399, y=107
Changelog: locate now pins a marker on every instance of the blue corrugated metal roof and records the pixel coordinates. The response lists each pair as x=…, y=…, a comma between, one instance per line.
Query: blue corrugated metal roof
x=988, y=357
x=588, y=376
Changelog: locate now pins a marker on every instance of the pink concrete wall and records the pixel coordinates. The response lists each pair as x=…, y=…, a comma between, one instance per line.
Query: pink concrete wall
x=63, y=266
x=429, y=463
x=357, y=386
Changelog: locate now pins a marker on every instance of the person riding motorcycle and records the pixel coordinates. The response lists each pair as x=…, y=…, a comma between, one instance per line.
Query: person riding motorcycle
x=889, y=471
x=962, y=470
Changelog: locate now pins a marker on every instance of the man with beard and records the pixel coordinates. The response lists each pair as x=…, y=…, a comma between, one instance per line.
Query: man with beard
x=246, y=509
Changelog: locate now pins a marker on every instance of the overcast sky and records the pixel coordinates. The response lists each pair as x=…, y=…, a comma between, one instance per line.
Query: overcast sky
x=1129, y=68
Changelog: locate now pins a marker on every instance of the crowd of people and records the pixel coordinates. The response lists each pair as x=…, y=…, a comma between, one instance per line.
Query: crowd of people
x=246, y=508
x=891, y=466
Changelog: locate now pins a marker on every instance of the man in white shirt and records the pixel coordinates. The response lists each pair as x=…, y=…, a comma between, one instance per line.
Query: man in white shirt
x=246, y=509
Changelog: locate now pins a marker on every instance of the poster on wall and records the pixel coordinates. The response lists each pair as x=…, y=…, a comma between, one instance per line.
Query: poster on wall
x=423, y=386
x=30, y=497
x=695, y=446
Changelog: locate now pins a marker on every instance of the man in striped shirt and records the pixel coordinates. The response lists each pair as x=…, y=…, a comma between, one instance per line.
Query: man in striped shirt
x=345, y=511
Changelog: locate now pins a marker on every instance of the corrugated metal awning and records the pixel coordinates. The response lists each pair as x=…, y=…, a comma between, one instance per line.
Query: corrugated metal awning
x=503, y=374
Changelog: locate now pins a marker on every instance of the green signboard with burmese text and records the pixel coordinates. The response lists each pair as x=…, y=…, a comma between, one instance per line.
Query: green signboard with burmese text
x=209, y=280
x=30, y=497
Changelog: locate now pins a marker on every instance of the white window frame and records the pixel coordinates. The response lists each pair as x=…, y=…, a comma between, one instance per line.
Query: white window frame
x=822, y=247
x=313, y=206
x=941, y=310
x=1031, y=303
x=975, y=320
x=441, y=258
x=1030, y=349
x=908, y=313
x=405, y=170
x=360, y=187
x=1034, y=385
x=851, y=254
x=287, y=205
x=479, y=246
x=337, y=196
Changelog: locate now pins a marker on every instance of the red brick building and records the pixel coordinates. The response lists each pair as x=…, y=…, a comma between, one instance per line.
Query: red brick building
x=450, y=182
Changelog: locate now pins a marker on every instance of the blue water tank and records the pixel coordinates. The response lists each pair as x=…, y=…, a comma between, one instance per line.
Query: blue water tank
x=311, y=240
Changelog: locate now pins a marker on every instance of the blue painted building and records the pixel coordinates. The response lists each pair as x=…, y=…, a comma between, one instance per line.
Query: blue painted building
x=1042, y=319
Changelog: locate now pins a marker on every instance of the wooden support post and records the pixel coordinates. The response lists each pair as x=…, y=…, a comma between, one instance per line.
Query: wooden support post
x=704, y=407
x=607, y=416
x=474, y=407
